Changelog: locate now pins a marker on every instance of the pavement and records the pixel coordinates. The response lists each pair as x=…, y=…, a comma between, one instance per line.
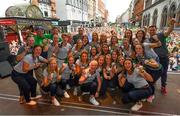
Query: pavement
x=111, y=105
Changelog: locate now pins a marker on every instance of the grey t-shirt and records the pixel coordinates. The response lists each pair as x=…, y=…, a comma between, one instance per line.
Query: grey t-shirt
x=83, y=66
x=90, y=77
x=136, y=79
x=67, y=71
x=49, y=76
x=149, y=52
x=28, y=59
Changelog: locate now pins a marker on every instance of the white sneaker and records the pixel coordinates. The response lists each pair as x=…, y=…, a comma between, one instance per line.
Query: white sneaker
x=93, y=101
x=85, y=93
x=150, y=98
x=143, y=100
x=55, y=102
x=75, y=92
x=66, y=95
x=37, y=97
x=137, y=106
x=68, y=87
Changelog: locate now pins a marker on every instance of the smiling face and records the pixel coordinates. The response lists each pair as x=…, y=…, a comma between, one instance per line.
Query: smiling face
x=93, y=51
x=152, y=30
x=53, y=64
x=84, y=57
x=140, y=35
x=93, y=65
x=85, y=40
x=105, y=48
x=55, y=39
x=108, y=59
x=128, y=34
x=139, y=49
x=128, y=65
x=121, y=60
x=114, y=56
x=37, y=51
x=101, y=61
x=95, y=37
x=71, y=60
x=30, y=41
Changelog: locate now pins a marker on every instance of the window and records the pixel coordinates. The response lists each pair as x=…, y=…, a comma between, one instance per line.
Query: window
x=148, y=19
x=45, y=1
x=144, y=20
x=45, y=13
x=172, y=11
x=164, y=17
x=155, y=15
x=148, y=3
x=178, y=15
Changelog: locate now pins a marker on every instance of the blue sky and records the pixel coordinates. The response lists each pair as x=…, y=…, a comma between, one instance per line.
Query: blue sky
x=116, y=7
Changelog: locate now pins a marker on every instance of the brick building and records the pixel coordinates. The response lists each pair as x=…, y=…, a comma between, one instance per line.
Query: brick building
x=137, y=11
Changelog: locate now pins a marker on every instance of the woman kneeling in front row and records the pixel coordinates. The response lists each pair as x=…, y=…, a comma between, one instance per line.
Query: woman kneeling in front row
x=137, y=78
x=51, y=79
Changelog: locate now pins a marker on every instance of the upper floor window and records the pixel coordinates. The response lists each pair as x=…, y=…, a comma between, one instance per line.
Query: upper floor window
x=155, y=15
x=148, y=3
x=45, y=1
x=164, y=17
x=68, y=1
x=172, y=11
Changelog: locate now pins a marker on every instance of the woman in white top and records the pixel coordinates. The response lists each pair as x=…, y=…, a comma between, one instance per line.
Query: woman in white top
x=22, y=75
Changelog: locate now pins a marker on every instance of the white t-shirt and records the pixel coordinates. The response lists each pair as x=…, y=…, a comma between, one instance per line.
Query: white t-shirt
x=30, y=60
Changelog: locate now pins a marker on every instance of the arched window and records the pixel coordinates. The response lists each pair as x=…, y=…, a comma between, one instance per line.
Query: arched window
x=155, y=15
x=148, y=19
x=172, y=11
x=164, y=16
x=144, y=20
x=178, y=15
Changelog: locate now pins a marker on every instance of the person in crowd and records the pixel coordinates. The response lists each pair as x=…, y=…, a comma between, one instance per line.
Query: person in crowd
x=127, y=48
x=90, y=81
x=55, y=31
x=77, y=49
x=100, y=60
x=129, y=35
x=95, y=40
x=148, y=46
x=22, y=75
x=93, y=55
x=26, y=49
x=68, y=73
x=108, y=74
x=39, y=38
x=152, y=66
x=137, y=77
x=105, y=49
x=51, y=80
x=81, y=64
x=60, y=51
x=79, y=35
x=114, y=43
x=103, y=39
x=85, y=41
x=162, y=51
